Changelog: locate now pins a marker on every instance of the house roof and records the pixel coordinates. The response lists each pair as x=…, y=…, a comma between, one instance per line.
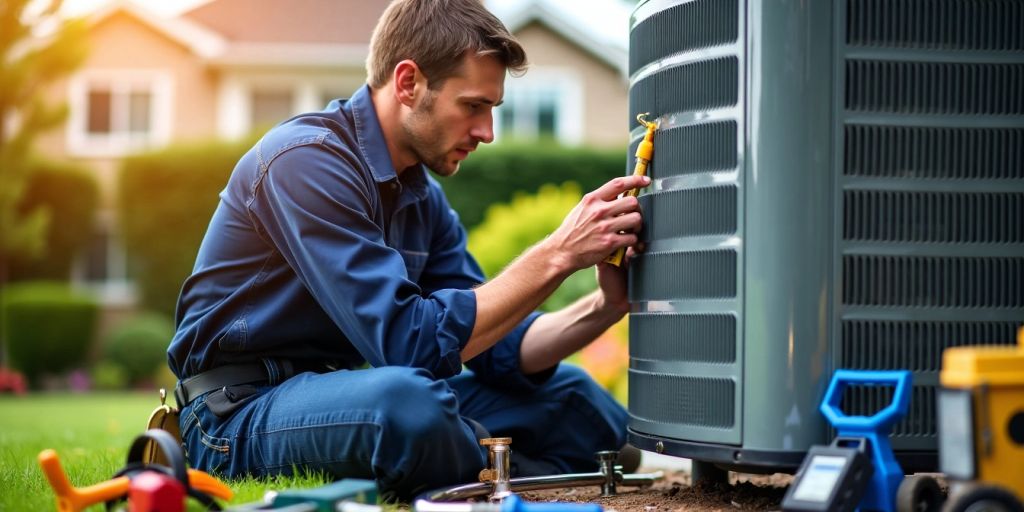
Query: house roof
x=590, y=31
x=290, y=21
x=333, y=33
x=197, y=38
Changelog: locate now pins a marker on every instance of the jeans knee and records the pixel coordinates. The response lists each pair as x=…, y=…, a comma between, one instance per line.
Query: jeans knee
x=415, y=404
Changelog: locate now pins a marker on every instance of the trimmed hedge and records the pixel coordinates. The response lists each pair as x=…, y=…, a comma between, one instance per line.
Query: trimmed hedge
x=167, y=197
x=165, y=200
x=139, y=346
x=71, y=194
x=48, y=327
x=493, y=174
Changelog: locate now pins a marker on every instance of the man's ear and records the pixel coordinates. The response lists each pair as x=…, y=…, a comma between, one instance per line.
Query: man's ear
x=407, y=78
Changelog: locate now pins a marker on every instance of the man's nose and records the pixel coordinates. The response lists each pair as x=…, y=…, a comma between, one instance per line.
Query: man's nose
x=483, y=130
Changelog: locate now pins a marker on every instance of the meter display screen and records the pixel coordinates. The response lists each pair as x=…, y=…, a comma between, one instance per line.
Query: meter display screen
x=820, y=477
x=956, y=433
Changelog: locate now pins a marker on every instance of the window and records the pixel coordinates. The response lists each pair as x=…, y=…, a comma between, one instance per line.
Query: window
x=115, y=113
x=271, y=107
x=546, y=104
x=103, y=266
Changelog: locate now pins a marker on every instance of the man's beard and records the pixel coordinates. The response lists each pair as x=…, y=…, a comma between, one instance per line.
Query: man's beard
x=428, y=151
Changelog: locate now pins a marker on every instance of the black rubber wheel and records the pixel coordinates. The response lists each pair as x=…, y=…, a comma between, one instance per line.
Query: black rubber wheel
x=983, y=498
x=919, y=494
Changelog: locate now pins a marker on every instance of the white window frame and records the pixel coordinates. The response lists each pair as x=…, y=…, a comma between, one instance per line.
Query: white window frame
x=236, y=91
x=119, y=142
x=118, y=288
x=569, y=93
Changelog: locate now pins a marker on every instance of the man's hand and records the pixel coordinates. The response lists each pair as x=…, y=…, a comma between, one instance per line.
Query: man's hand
x=611, y=280
x=601, y=223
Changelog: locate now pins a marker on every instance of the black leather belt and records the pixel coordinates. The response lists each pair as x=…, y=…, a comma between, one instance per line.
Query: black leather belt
x=217, y=378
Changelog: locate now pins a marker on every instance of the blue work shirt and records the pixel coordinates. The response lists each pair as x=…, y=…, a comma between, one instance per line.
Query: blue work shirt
x=320, y=253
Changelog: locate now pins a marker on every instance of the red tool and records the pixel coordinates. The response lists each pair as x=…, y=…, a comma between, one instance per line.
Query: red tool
x=151, y=491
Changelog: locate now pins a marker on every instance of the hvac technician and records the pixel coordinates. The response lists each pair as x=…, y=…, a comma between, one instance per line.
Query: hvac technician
x=331, y=247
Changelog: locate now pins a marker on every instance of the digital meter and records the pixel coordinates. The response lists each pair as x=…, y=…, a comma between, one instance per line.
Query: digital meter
x=831, y=478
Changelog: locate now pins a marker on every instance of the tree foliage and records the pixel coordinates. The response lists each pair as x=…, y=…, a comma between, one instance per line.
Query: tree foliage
x=510, y=228
x=71, y=194
x=37, y=48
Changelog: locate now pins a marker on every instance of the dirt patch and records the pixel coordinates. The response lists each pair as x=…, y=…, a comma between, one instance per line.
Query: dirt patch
x=674, y=493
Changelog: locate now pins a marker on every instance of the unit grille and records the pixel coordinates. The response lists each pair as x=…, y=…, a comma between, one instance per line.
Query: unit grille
x=934, y=87
x=933, y=216
x=868, y=400
x=932, y=203
x=691, y=149
x=684, y=275
x=684, y=27
x=708, y=84
x=926, y=152
x=689, y=212
x=914, y=346
x=706, y=338
x=934, y=282
x=673, y=399
x=947, y=24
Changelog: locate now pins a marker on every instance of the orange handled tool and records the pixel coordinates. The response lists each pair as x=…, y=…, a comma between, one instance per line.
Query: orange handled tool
x=644, y=152
x=75, y=499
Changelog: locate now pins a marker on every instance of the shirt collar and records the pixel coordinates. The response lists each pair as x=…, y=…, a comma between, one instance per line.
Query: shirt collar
x=375, y=150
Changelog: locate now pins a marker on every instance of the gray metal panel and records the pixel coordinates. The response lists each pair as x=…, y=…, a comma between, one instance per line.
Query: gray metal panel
x=687, y=67
x=790, y=226
x=930, y=166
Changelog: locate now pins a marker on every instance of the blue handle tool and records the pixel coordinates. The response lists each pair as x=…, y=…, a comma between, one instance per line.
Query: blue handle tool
x=881, y=492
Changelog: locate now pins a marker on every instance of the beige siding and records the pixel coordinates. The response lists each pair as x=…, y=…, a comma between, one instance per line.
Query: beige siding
x=120, y=43
x=605, y=104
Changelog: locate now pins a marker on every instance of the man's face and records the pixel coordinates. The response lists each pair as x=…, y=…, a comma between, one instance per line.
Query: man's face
x=447, y=124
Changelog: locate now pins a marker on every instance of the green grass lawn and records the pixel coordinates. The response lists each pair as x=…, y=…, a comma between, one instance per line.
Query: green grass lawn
x=91, y=434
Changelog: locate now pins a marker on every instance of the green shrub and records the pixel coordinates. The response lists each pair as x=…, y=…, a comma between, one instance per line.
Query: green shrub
x=165, y=202
x=70, y=193
x=108, y=376
x=48, y=327
x=494, y=174
x=509, y=229
x=139, y=345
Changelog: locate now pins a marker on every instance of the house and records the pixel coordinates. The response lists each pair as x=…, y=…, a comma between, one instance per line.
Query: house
x=227, y=67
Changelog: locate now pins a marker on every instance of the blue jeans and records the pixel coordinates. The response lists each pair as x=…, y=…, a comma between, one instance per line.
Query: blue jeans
x=403, y=428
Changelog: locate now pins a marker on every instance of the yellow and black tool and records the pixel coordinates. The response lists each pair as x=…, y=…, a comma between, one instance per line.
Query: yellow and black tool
x=981, y=433
x=644, y=152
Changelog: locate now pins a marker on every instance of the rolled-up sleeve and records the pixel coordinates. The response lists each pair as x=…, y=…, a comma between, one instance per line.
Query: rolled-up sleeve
x=452, y=266
x=314, y=207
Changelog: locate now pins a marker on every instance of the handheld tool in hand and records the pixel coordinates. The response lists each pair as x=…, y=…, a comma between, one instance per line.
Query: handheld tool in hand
x=644, y=152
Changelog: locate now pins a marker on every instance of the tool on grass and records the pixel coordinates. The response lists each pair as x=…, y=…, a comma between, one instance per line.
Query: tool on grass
x=495, y=482
x=327, y=498
x=644, y=152
x=859, y=469
x=511, y=504
x=196, y=484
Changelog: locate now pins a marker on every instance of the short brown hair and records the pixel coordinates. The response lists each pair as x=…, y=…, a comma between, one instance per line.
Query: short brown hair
x=436, y=34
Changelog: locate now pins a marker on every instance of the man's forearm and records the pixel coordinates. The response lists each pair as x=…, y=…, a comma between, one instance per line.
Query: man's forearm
x=517, y=291
x=555, y=336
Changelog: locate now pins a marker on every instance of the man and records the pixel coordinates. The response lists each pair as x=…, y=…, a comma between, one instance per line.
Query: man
x=331, y=248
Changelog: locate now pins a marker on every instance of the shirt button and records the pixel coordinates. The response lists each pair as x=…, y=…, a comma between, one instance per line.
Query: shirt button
x=394, y=185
